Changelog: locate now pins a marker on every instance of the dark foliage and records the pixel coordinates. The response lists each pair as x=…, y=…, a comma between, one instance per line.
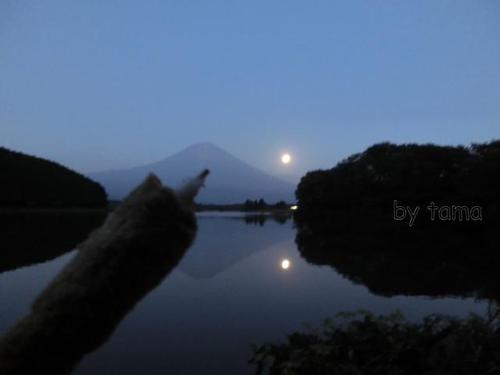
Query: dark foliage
x=357, y=195
x=389, y=345
x=345, y=219
x=413, y=174
x=449, y=266
x=31, y=182
x=248, y=205
x=261, y=204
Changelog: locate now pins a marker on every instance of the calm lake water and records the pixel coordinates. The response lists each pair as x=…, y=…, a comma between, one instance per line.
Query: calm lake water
x=233, y=288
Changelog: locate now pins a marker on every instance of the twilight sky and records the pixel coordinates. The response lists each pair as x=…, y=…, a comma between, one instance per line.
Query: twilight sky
x=101, y=84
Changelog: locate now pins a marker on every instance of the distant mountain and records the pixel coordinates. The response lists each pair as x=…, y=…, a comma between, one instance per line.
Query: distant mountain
x=31, y=182
x=231, y=179
x=291, y=178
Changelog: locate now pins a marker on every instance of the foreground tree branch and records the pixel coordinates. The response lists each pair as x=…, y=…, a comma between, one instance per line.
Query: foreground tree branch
x=120, y=262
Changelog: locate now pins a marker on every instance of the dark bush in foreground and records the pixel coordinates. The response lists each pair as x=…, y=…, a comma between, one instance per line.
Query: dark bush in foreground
x=361, y=343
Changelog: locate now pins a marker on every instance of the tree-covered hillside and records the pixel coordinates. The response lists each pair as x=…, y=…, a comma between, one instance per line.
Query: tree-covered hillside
x=32, y=182
x=364, y=186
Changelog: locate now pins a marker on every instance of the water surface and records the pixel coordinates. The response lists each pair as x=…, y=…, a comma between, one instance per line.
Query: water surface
x=229, y=291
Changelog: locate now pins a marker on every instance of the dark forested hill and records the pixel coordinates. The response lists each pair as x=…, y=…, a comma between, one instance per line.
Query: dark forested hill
x=347, y=219
x=364, y=203
x=414, y=175
x=32, y=182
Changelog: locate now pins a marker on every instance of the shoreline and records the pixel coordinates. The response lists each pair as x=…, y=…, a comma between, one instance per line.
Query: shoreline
x=10, y=211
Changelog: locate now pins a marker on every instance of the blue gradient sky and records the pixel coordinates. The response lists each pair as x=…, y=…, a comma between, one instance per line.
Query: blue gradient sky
x=107, y=84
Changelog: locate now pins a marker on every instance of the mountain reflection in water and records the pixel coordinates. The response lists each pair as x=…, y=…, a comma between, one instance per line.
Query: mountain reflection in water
x=215, y=250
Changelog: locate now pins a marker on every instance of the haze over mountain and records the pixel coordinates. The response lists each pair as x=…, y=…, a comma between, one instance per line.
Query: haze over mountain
x=231, y=179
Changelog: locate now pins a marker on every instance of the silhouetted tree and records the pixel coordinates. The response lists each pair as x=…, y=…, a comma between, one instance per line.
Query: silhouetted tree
x=366, y=184
x=261, y=204
x=281, y=205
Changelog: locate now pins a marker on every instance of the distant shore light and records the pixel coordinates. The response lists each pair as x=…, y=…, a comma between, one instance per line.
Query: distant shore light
x=294, y=207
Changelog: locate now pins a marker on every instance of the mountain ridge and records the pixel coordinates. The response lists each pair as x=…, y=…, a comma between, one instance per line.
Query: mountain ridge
x=232, y=180
x=29, y=181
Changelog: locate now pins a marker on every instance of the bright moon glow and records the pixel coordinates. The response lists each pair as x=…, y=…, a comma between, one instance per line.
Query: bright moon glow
x=286, y=158
x=285, y=264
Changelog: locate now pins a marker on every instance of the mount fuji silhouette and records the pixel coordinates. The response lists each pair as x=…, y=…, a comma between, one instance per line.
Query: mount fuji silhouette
x=231, y=179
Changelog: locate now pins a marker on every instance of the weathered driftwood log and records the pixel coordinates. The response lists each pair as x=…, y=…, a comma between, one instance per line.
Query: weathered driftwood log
x=136, y=247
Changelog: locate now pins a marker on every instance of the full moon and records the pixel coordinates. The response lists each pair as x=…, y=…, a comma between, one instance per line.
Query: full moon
x=285, y=264
x=286, y=158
